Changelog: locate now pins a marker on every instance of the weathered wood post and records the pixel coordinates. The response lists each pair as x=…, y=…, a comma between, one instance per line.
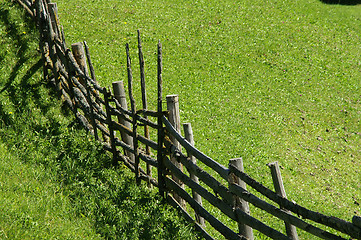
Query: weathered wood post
x=174, y=119
x=134, y=115
x=119, y=94
x=243, y=229
x=79, y=55
x=110, y=125
x=280, y=190
x=43, y=45
x=90, y=64
x=53, y=32
x=144, y=100
x=160, y=135
x=53, y=12
x=188, y=133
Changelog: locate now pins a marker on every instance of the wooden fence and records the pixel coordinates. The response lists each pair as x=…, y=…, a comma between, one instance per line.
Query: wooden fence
x=125, y=133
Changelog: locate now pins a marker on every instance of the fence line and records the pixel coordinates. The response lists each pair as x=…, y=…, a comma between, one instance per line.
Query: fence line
x=96, y=107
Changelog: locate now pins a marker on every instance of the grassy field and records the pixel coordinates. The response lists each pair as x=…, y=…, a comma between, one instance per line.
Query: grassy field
x=263, y=80
x=56, y=182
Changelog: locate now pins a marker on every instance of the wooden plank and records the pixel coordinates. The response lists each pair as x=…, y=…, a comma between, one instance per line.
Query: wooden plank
x=120, y=113
x=78, y=85
x=147, y=142
x=81, y=99
x=146, y=158
x=103, y=130
x=82, y=120
x=42, y=31
x=280, y=213
x=130, y=165
x=222, y=170
x=148, y=122
x=212, y=199
x=197, y=226
x=258, y=225
x=100, y=118
x=215, y=223
x=142, y=139
x=122, y=144
x=204, y=176
x=333, y=222
x=149, y=113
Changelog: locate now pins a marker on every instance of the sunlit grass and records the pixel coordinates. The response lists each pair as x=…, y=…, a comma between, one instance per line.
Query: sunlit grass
x=56, y=181
x=263, y=80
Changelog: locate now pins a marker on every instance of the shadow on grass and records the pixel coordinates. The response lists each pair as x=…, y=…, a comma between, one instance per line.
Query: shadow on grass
x=105, y=194
x=19, y=41
x=342, y=2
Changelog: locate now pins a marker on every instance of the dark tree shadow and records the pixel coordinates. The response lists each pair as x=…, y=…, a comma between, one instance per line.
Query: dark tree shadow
x=342, y=2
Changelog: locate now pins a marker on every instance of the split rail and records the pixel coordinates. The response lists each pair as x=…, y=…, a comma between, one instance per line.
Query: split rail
x=160, y=162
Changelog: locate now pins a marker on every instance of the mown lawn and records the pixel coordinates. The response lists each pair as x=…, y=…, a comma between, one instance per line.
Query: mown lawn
x=56, y=182
x=263, y=80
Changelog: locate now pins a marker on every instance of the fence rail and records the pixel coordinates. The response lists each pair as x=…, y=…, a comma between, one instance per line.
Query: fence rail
x=125, y=133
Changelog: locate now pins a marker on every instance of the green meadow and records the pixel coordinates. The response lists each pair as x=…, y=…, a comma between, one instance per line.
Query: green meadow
x=262, y=80
x=56, y=182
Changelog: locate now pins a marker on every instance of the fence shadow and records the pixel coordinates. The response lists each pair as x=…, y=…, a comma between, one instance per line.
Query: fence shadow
x=342, y=2
x=97, y=109
x=113, y=188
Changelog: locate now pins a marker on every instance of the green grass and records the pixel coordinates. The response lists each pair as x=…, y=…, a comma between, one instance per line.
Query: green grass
x=34, y=207
x=264, y=80
x=56, y=181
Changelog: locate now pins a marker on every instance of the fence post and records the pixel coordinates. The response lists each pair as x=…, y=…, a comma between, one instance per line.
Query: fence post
x=51, y=10
x=110, y=125
x=188, y=133
x=91, y=68
x=160, y=134
x=243, y=229
x=134, y=115
x=144, y=101
x=79, y=55
x=119, y=94
x=42, y=41
x=280, y=190
x=174, y=119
